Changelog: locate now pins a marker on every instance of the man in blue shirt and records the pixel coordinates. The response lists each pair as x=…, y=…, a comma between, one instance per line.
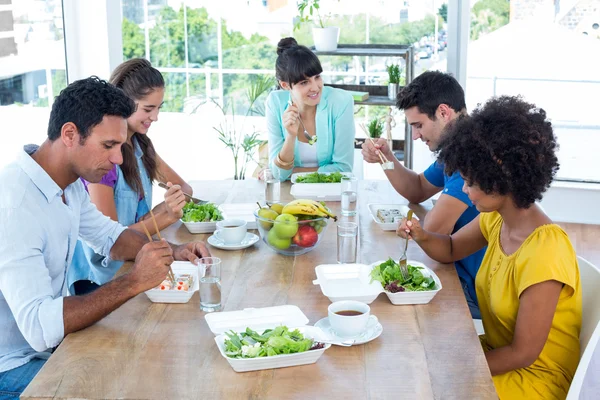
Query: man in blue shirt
x=430, y=102
x=44, y=209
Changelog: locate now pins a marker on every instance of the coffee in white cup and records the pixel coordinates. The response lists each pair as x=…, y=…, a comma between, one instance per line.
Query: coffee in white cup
x=231, y=231
x=348, y=318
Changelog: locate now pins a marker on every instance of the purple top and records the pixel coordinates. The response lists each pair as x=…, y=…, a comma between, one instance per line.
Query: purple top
x=110, y=180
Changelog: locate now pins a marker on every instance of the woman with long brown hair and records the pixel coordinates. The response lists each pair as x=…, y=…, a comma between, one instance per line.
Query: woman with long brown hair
x=125, y=193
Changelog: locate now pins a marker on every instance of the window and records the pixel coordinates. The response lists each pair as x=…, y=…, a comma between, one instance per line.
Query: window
x=32, y=70
x=550, y=54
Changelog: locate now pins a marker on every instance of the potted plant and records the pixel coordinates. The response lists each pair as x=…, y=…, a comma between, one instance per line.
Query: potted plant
x=375, y=128
x=394, y=80
x=324, y=37
x=243, y=144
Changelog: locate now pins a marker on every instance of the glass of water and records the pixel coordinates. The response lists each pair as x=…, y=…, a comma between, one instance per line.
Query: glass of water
x=349, y=186
x=347, y=239
x=272, y=186
x=210, y=284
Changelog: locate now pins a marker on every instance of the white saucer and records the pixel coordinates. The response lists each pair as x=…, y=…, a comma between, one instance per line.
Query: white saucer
x=248, y=241
x=373, y=331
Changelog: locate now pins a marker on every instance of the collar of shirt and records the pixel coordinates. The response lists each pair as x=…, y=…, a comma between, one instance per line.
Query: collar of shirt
x=39, y=176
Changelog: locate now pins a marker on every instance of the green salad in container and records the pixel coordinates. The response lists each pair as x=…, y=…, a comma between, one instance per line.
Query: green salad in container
x=272, y=342
x=388, y=273
x=315, y=177
x=208, y=212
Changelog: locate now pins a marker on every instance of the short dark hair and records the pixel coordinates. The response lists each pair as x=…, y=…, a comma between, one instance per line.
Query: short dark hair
x=85, y=103
x=430, y=89
x=295, y=62
x=507, y=147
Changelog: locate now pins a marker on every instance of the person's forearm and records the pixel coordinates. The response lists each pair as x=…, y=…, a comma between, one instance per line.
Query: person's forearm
x=129, y=243
x=287, y=150
x=163, y=220
x=406, y=182
x=505, y=359
x=305, y=169
x=82, y=311
x=437, y=246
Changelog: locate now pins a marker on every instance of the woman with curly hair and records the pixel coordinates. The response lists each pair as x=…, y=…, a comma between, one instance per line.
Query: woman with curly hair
x=528, y=285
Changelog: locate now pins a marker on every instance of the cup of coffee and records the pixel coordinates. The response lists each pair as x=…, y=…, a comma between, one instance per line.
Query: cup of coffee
x=348, y=318
x=231, y=231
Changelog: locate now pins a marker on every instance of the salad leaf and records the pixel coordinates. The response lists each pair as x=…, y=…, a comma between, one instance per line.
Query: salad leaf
x=315, y=177
x=388, y=273
x=208, y=212
x=272, y=342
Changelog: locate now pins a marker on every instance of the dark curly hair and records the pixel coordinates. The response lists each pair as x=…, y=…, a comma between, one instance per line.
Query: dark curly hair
x=506, y=147
x=430, y=89
x=85, y=103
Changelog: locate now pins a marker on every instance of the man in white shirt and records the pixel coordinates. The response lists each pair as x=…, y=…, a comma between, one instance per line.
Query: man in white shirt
x=44, y=208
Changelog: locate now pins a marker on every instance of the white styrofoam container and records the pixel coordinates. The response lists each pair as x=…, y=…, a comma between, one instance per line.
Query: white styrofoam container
x=203, y=227
x=347, y=282
x=243, y=211
x=315, y=191
x=353, y=282
x=391, y=226
x=176, y=296
x=424, y=297
x=260, y=319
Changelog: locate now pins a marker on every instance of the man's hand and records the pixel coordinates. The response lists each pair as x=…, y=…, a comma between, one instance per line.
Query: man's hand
x=369, y=151
x=192, y=252
x=151, y=265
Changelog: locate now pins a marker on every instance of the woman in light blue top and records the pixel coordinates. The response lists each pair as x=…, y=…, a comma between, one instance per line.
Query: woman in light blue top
x=125, y=193
x=311, y=126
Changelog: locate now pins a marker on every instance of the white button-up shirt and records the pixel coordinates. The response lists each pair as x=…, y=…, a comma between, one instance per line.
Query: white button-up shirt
x=38, y=233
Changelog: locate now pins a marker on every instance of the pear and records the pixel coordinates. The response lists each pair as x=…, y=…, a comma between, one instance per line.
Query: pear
x=277, y=207
x=267, y=213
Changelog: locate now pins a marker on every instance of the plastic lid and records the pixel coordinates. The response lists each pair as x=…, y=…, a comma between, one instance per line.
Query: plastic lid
x=257, y=319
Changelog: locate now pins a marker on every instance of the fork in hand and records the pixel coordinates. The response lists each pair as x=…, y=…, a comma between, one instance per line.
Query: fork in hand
x=402, y=261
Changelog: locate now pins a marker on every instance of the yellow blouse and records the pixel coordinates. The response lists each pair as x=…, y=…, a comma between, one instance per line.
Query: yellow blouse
x=547, y=254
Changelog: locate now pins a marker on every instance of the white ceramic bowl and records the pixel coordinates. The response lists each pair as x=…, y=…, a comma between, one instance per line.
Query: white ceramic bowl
x=408, y=297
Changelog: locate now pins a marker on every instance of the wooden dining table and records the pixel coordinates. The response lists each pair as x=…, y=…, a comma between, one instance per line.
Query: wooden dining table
x=146, y=350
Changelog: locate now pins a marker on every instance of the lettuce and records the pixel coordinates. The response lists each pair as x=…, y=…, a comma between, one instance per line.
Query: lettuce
x=272, y=342
x=388, y=273
x=315, y=177
x=208, y=212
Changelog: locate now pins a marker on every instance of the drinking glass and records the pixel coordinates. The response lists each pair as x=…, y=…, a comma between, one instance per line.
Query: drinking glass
x=349, y=186
x=272, y=186
x=347, y=239
x=210, y=284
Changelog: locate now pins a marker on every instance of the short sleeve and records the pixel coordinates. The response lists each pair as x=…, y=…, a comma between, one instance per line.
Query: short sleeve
x=435, y=174
x=548, y=255
x=454, y=187
x=488, y=222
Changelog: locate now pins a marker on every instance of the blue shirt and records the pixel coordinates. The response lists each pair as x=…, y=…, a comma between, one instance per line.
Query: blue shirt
x=334, y=123
x=38, y=234
x=452, y=186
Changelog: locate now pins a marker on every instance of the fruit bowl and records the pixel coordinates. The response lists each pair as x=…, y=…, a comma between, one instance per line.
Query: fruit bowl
x=291, y=237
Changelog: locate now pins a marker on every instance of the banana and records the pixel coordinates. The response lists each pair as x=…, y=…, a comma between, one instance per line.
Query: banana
x=308, y=207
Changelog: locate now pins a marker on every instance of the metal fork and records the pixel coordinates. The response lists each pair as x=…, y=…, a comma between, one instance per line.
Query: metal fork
x=402, y=261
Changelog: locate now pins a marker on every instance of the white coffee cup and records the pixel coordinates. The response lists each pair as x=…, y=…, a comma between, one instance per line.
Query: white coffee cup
x=231, y=231
x=345, y=325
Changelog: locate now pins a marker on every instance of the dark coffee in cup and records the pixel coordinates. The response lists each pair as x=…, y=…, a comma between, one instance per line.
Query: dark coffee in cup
x=349, y=313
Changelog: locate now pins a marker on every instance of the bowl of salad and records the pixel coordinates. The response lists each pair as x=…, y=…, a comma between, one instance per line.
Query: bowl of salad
x=201, y=218
x=420, y=288
x=317, y=186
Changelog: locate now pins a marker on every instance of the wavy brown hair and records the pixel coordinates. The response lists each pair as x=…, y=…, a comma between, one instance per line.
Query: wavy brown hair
x=137, y=78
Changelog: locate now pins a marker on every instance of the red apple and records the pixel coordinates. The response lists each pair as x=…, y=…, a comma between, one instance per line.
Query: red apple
x=307, y=236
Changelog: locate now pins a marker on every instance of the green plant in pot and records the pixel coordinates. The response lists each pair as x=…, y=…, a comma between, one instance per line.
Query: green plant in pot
x=393, y=71
x=243, y=142
x=375, y=128
x=325, y=37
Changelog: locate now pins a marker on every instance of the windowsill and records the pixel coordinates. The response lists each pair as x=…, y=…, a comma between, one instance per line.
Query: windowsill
x=576, y=185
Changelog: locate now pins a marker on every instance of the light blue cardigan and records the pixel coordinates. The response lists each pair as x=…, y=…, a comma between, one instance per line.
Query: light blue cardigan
x=335, y=131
